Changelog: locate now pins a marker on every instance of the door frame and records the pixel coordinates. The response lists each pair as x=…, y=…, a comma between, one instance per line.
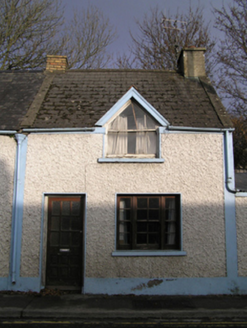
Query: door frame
x=44, y=232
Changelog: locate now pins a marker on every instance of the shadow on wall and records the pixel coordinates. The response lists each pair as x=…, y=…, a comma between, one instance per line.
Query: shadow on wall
x=6, y=200
x=202, y=225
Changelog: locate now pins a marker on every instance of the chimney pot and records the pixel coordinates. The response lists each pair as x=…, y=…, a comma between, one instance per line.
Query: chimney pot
x=191, y=62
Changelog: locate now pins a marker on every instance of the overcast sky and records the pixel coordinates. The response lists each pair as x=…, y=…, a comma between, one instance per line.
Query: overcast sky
x=123, y=13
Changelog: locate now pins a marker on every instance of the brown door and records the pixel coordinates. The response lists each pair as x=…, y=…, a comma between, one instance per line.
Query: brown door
x=64, y=243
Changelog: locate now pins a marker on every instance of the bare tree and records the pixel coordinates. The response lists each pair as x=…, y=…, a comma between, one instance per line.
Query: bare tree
x=240, y=141
x=161, y=37
x=87, y=37
x=232, y=55
x=31, y=29
x=27, y=32
x=125, y=61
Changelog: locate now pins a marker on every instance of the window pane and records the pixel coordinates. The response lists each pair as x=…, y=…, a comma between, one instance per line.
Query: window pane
x=76, y=223
x=153, y=227
x=65, y=223
x=141, y=238
x=64, y=239
x=124, y=203
x=54, y=223
x=66, y=208
x=132, y=143
x=170, y=227
x=54, y=239
x=154, y=215
x=170, y=239
x=153, y=238
x=124, y=215
x=75, y=208
x=124, y=227
x=142, y=215
x=142, y=202
x=154, y=202
x=55, y=208
x=141, y=227
x=170, y=203
x=75, y=239
x=124, y=239
x=142, y=143
x=117, y=143
x=146, y=142
x=124, y=233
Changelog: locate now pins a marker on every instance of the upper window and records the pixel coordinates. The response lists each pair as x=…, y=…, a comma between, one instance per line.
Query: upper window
x=132, y=133
x=150, y=222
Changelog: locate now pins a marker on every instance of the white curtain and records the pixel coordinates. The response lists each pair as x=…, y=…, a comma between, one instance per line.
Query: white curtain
x=171, y=226
x=145, y=141
x=123, y=230
x=118, y=141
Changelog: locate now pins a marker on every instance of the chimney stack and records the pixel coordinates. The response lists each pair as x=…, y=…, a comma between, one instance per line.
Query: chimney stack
x=56, y=63
x=191, y=62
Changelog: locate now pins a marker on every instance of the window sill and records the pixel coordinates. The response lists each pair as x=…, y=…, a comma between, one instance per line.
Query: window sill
x=130, y=160
x=241, y=194
x=149, y=253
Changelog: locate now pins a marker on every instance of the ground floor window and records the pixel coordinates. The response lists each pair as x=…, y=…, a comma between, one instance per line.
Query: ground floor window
x=148, y=222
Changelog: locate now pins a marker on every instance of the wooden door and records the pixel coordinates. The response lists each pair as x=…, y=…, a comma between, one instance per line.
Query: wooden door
x=64, y=243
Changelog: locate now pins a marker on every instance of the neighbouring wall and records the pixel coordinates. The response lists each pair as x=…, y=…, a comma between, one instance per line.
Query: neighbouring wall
x=7, y=169
x=241, y=220
x=67, y=163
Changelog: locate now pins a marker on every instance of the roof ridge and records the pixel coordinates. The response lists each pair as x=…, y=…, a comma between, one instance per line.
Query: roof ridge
x=120, y=70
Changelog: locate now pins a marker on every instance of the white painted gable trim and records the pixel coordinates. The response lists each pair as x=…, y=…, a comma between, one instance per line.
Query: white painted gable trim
x=132, y=93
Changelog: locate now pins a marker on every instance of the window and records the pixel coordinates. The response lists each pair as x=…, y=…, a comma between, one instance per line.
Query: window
x=148, y=222
x=132, y=133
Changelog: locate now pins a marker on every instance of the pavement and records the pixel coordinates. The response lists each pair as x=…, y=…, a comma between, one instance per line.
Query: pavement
x=76, y=306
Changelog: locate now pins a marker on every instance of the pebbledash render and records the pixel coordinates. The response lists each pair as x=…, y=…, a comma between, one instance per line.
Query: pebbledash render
x=119, y=182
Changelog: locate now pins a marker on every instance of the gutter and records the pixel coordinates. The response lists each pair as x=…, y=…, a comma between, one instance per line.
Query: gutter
x=8, y=132
x=37, y=130
x=188, y=128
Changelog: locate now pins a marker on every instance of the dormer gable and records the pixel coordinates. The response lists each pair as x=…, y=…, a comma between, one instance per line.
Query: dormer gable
x=132, y=94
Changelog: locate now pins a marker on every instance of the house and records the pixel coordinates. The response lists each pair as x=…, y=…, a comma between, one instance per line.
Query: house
x=119, y=182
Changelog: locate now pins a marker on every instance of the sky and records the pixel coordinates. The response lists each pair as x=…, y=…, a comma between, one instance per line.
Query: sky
x=124, y=13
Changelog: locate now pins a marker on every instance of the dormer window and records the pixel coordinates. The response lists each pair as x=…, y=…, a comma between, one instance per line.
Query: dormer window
x=132, y=132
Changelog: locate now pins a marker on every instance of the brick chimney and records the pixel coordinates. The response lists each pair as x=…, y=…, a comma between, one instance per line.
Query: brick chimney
x=191, y=62
x=56, y=63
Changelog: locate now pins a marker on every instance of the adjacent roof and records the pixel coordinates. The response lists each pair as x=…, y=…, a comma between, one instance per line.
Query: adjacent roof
x=79, y=98
x=17, y=91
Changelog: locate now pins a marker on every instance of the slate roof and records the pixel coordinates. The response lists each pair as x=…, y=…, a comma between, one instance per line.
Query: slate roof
x=17, y=91
x=79, y=98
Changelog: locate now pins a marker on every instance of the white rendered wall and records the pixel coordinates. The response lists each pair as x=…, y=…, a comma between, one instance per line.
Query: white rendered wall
x=7, y=168
x=193, y=167
x=241, y=219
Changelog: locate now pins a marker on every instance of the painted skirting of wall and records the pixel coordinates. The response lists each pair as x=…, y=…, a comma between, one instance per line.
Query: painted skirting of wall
x=167, y=286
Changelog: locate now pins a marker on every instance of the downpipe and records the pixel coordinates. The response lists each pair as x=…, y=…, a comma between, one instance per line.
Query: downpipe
x=16, y=205
x=229, y=160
